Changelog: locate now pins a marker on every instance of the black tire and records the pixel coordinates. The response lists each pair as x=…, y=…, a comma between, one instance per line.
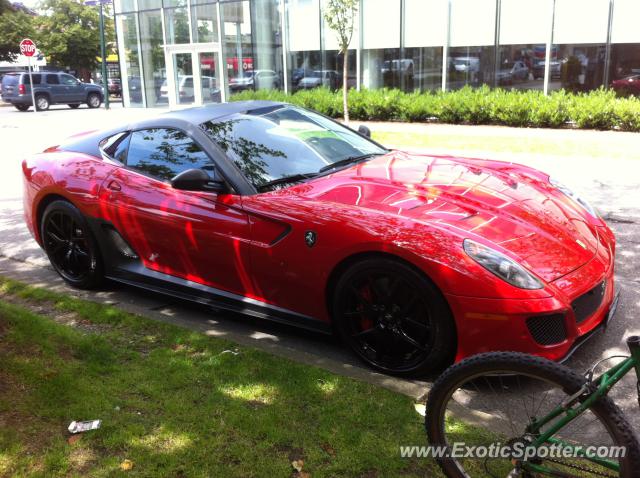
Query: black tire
x=74, y=106
x=42, y=102
x=70, y=245
x=22, y=107
x=609, y=415
x=94, y=100
x=411, y=314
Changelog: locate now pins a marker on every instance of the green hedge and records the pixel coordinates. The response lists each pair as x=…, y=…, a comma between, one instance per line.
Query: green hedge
x=599, y=109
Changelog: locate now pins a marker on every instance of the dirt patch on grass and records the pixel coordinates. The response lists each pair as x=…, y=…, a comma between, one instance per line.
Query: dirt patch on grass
x=47, y=309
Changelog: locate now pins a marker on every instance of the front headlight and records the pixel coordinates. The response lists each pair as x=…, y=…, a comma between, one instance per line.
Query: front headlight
x=502, y=266
x=573, y=196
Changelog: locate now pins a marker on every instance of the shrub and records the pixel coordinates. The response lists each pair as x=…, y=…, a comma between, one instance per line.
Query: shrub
x=599, y=109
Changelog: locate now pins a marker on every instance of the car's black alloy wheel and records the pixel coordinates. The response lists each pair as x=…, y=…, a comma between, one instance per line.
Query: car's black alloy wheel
x=394, y=318
x=71, y=248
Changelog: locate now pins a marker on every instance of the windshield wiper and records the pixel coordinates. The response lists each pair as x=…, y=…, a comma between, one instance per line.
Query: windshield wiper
x=294, y=178
x=347, y=161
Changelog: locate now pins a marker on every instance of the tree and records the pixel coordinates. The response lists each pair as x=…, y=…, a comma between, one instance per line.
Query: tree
x=15, y=25
x=69, y=33
x=340, y=16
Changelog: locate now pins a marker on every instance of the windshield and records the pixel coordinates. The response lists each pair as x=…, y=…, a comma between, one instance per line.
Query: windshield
x=273, y=143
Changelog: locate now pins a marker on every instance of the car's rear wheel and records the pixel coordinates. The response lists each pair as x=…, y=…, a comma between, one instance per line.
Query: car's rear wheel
x=394, y=318
x=74, y=106
x=22, y=107
x=70, y=246
x=94, y=100
x=42, y=102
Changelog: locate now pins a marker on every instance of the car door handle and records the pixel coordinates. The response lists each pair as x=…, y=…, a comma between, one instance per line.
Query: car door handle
x=114, y=186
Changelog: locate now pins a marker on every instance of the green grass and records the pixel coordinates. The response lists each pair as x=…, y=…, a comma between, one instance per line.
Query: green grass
x=176, y=403
x=577, y=145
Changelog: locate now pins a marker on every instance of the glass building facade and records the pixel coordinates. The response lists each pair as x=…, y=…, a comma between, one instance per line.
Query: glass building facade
x=186, y=52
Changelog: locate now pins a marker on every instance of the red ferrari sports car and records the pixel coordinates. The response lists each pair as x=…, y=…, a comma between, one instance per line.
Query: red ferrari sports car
x=276, y=211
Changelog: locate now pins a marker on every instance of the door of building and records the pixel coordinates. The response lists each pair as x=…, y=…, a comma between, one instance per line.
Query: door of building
x=195, y=75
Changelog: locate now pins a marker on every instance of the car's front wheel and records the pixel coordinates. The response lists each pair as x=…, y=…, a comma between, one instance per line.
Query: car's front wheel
x=70, y=246
x=94, y=100
x=394, y=318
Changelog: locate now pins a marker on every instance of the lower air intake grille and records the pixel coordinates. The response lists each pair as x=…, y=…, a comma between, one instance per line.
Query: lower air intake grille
x=547, y=329
x=587, y=304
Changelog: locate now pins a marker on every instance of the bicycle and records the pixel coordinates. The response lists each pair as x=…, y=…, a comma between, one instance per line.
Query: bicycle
x=542, y=418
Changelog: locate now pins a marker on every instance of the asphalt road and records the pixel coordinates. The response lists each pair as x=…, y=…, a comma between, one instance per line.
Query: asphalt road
x=613, y=186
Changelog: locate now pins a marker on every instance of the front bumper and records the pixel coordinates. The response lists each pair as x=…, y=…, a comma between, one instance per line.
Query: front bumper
x=485, y=325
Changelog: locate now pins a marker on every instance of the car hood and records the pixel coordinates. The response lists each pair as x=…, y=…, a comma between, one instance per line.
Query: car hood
x=511, y=206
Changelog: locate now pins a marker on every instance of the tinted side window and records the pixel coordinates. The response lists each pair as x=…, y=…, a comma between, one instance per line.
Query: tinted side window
x=164, y=153
x=68, y=80
x=36, y=79
x=53, y=80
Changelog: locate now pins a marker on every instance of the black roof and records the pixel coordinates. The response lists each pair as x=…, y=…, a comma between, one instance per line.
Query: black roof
x=210, y=112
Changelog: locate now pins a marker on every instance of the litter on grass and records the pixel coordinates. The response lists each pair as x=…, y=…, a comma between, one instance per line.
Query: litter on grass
x=81, y=427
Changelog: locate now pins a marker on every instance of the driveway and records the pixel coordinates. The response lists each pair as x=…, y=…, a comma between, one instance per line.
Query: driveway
x=613, y=186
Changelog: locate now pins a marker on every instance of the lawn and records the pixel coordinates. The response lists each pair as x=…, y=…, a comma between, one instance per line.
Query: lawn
x=487, y=141
x=178, y=403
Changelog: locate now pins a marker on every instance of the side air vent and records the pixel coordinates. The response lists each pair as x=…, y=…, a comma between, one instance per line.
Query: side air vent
x=120, y=244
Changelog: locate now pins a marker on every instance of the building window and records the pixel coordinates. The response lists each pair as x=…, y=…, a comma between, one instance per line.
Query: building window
x=382, y=65
x=305, y=58
x=176, y=23
x=425, y=34
x=579, y=36
x=471, y=59
x=268, y=71
x=204, y=23
x=525, y=29
x=130, y=59
x=624, y=71
x=153, y=62
x=237, y=45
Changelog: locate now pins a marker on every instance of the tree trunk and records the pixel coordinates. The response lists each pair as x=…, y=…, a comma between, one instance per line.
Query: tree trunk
x=345, y=91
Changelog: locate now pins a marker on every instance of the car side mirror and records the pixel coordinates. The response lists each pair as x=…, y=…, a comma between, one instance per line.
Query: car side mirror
x=364, y=131
x=198, y=180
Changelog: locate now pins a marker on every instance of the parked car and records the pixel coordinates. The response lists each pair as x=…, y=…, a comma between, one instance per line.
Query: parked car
x=327, y=78
x=539, y=67
x=114, y=86
x=210, y=91
x=278, y=212
x=49, y=88
x=629, y=85
x=466, y=64
x=258, y=79
x=512, y=71
x=135, y=89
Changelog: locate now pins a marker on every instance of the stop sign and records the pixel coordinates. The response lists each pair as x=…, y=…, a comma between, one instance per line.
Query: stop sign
x=27, y=47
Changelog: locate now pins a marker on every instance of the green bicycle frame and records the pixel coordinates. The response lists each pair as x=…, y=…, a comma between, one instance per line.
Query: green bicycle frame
x=583, y=400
